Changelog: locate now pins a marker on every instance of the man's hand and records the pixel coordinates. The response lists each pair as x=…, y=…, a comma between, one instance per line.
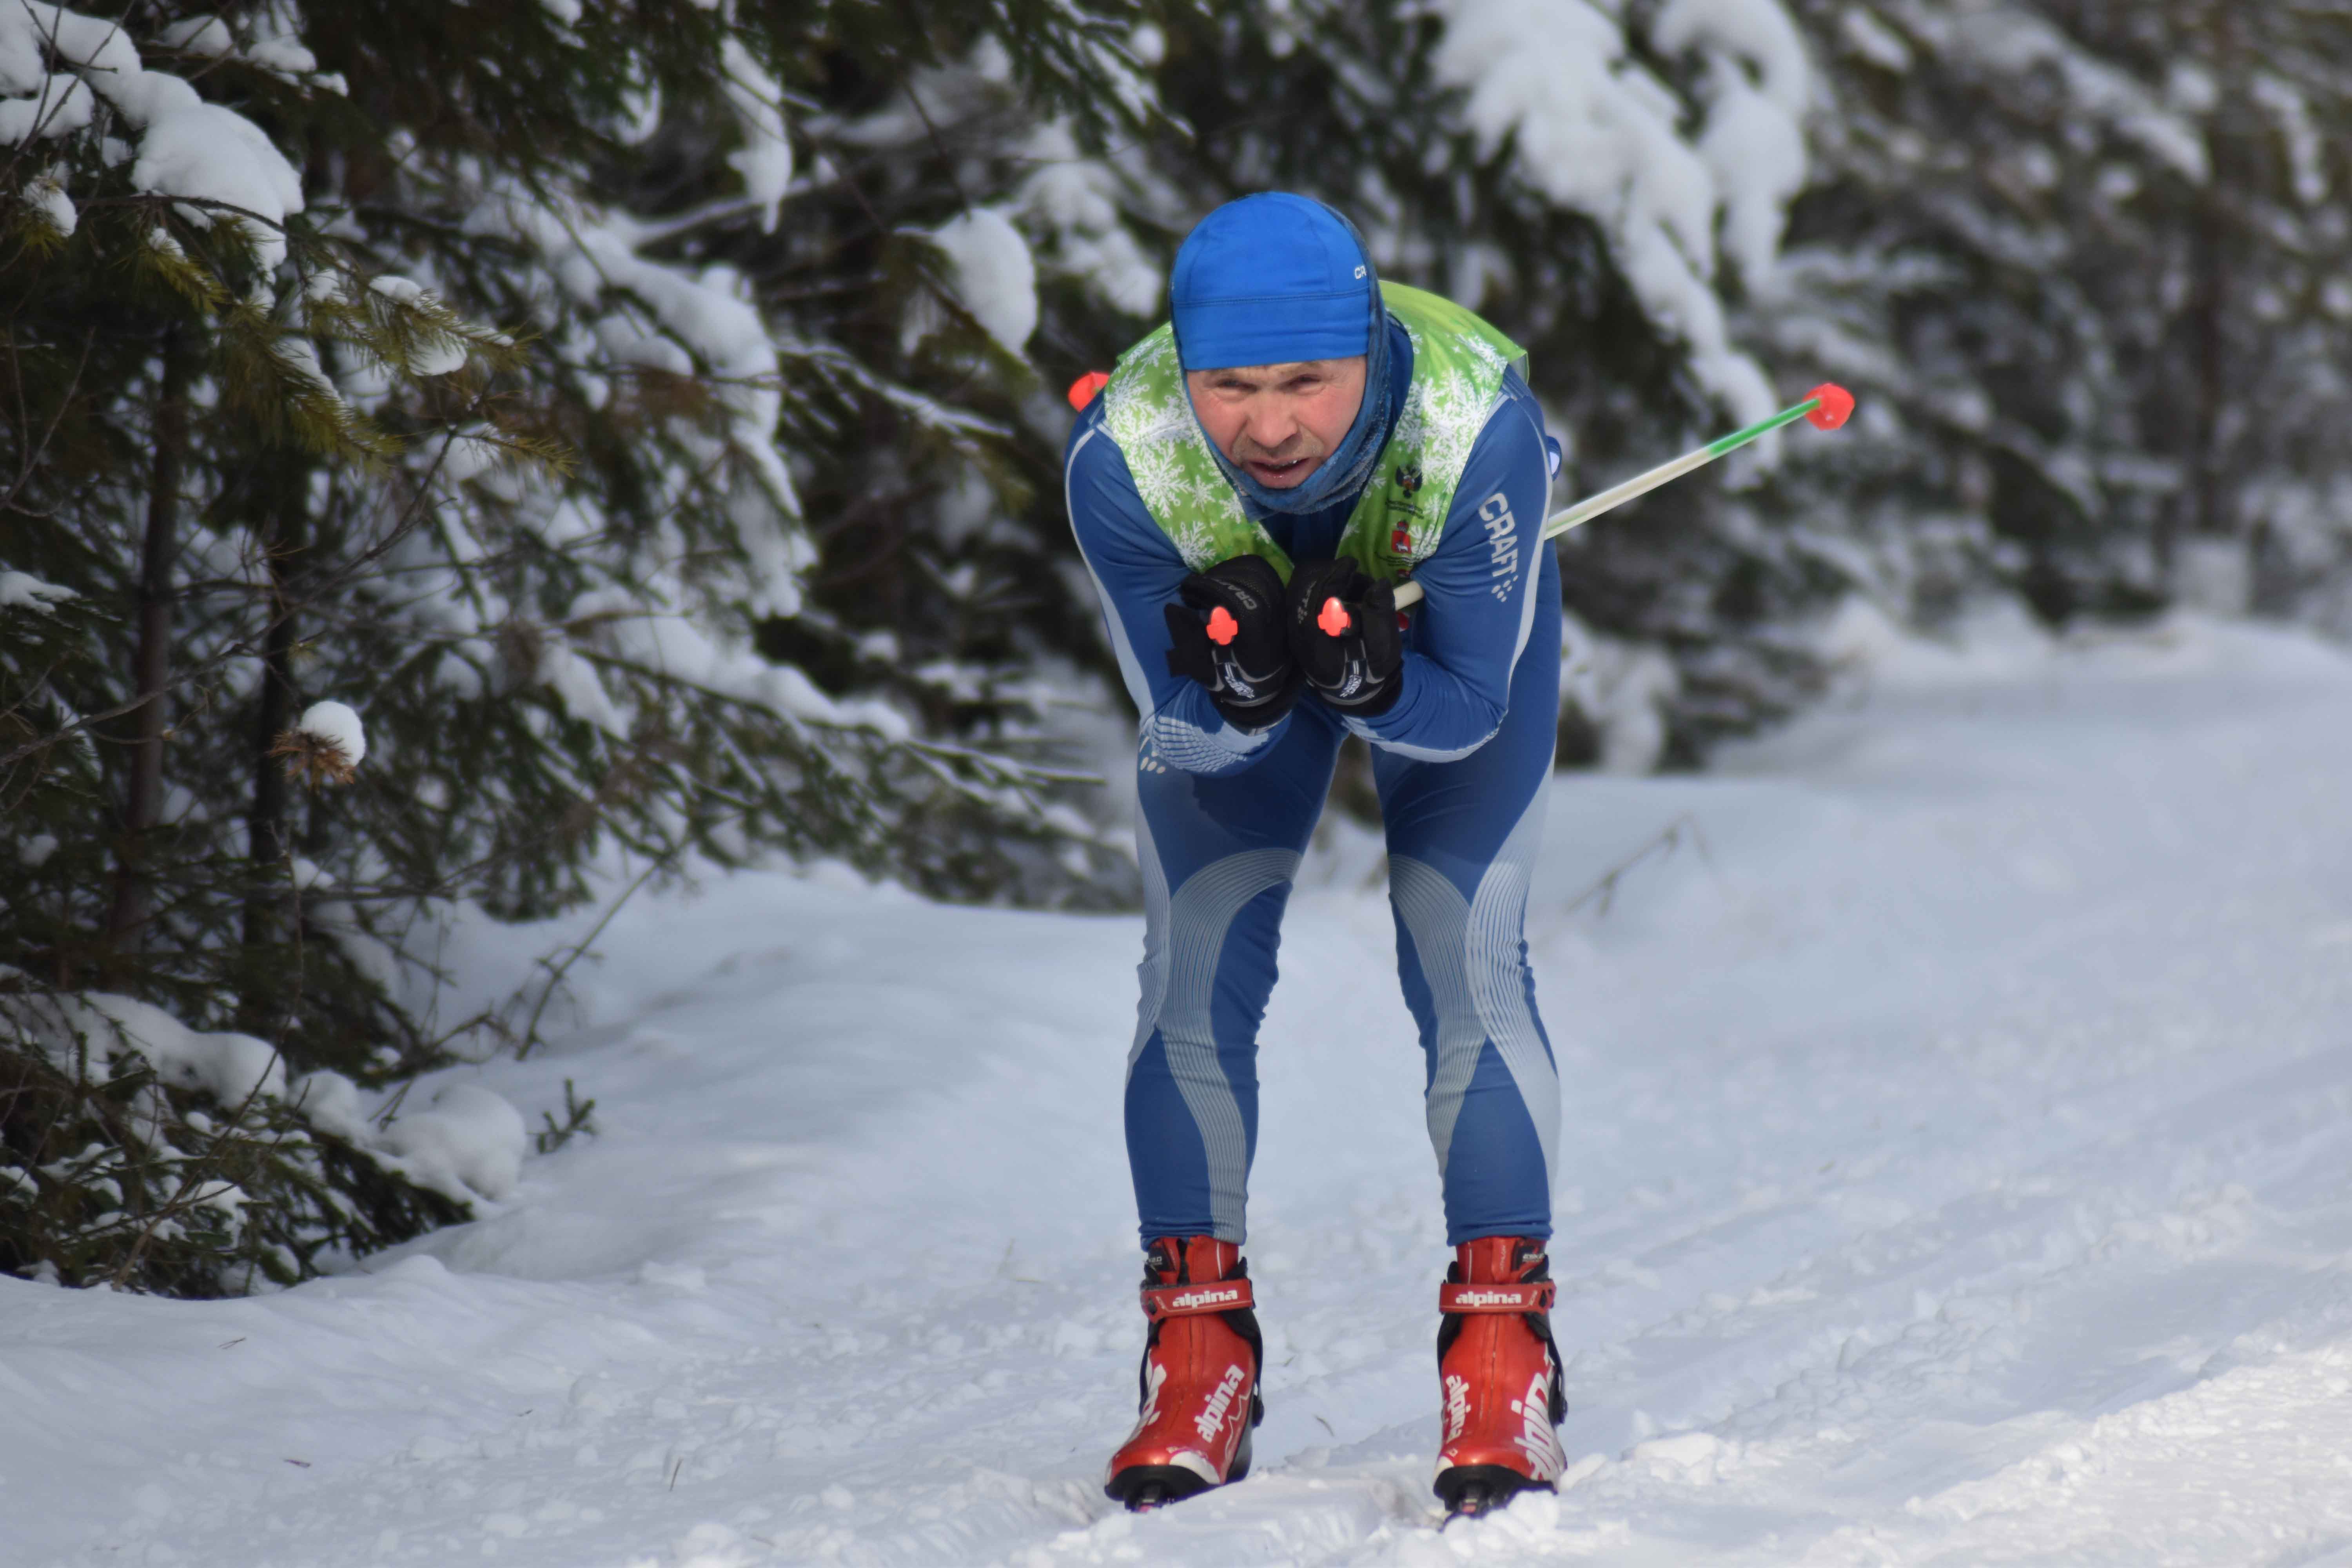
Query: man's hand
x=1343, y=632
x=1227, y=634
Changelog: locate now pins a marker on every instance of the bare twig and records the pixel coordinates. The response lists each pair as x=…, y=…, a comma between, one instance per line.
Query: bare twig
x=556, y=972
x=40, y=449
x=1668, y=840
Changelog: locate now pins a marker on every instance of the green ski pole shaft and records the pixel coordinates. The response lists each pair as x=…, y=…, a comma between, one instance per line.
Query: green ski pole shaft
x=1826, y=407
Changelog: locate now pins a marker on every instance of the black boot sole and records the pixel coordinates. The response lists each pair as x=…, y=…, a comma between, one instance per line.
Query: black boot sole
x=1469, y=1491
x=1143, y=1488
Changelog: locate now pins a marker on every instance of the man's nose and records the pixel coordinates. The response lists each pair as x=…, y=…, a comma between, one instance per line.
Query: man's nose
x=1271, y=426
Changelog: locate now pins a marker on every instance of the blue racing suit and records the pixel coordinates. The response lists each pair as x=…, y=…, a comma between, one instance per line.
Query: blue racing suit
x=1461, y=760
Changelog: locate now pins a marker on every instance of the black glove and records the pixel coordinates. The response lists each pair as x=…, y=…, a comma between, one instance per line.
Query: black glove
x=1343, y=632
x=1227, y=634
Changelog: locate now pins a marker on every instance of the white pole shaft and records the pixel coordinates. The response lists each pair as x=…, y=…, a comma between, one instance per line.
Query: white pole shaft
x=1590, y=507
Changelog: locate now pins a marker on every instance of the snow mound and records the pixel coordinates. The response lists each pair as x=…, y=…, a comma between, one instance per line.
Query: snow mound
x=470, y=1142
x=1953, y=1175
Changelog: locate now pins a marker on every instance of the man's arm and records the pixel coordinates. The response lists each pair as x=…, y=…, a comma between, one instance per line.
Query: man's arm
x=1137, y=573
x=1480, y=593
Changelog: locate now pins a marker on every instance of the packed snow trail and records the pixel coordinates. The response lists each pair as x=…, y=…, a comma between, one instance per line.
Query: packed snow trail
x=1955, y=1171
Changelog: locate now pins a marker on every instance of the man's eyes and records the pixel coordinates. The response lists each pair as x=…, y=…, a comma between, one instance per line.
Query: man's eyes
x=1297, y=386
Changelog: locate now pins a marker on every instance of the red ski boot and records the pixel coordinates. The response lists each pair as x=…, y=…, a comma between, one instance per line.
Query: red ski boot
x=1198, y=1386
x=1500, y=1374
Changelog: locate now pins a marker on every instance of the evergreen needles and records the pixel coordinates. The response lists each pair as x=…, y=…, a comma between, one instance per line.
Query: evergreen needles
x=449, y=362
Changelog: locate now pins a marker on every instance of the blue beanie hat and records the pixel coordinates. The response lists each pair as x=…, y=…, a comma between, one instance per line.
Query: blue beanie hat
x=1271, y=279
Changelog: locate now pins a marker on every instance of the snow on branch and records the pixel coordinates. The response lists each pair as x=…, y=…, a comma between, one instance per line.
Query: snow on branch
x=994, y=277
x=765, y=159
x=1596, y=132
x=1075, y=201
x=326, y=746
x=2009, y=41
x=22, y=590
x=188, y=147
x=662, y=317
x=1758, y=85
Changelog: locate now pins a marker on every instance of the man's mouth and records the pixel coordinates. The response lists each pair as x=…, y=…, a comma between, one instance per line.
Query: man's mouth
x=1290, y=470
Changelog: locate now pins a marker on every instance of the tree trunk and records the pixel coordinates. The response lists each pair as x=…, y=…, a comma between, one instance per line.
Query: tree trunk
x=2209, y=306
x=151, y=667
x=268, y=834
x=2213, y=244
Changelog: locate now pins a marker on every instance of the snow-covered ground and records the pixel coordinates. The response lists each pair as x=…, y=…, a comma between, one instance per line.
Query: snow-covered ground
x=1957, y=1169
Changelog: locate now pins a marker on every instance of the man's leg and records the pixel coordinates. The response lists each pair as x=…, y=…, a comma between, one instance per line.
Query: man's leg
x=1463, y=837
x=1218, y=855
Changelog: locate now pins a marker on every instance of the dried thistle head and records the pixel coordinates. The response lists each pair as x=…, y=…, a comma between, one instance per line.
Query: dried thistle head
x=314, y=759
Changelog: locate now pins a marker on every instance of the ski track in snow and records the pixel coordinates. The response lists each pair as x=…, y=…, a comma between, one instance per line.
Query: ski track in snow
x=1954, y=1172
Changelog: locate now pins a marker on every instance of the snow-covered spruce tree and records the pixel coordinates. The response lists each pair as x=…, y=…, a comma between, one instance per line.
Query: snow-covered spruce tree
x=2248, y=379
x=395, y=354
x=1604, y=183
x=156, y=364
x=2082, y=263
x=956, y=215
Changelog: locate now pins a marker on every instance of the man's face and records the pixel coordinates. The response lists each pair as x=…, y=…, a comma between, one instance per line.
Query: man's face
x=1278, y=422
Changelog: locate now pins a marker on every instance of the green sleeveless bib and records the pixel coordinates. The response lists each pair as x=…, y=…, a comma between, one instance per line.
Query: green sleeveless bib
x=1458, y=362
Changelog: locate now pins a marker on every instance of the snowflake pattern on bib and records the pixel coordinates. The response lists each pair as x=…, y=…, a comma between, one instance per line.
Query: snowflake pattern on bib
x=1167, y=454
x=1446, y=408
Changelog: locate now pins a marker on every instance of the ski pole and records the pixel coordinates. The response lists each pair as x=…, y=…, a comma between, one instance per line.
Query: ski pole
x=1825, y=408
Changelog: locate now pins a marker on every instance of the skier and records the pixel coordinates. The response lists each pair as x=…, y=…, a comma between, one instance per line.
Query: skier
x=1248, y=487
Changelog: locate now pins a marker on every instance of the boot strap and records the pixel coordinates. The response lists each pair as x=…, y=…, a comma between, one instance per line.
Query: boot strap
x=1536, y=1296
x=1192, y=1300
